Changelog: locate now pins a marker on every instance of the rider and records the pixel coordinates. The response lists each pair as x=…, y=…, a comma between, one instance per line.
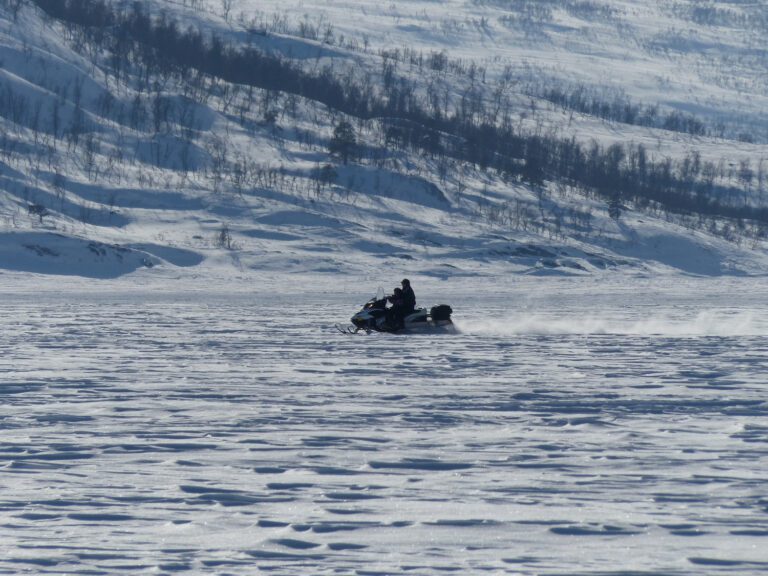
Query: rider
x=409, y=298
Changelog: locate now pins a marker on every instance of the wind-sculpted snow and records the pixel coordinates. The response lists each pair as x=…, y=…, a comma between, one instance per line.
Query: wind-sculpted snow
x=213, y=434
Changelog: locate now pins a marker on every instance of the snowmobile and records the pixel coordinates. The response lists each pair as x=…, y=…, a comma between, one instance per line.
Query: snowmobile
x=374, y=316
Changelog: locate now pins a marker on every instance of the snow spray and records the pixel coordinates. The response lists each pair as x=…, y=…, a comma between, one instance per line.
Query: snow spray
x=704, y=323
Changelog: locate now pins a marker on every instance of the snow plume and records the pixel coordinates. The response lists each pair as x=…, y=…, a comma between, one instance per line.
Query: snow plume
x=705, y=323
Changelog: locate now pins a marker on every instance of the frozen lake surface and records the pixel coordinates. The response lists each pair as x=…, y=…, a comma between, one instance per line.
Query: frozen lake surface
x=165, y=433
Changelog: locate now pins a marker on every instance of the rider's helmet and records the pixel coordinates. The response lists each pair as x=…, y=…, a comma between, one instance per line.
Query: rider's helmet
x=405, y=282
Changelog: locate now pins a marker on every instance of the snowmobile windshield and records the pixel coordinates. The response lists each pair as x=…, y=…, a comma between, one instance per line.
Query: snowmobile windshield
x=380, y=293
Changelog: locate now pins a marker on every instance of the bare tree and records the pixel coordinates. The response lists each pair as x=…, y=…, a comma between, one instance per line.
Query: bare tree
x=226, y=7
x=223, y=238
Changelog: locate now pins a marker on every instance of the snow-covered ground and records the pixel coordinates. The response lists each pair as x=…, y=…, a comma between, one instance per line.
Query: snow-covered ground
x=574, y=426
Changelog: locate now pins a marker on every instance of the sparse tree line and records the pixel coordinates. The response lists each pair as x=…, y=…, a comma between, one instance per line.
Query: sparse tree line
x=476, y=128
x=619, y=108
x=543, y=10
x=744, y=15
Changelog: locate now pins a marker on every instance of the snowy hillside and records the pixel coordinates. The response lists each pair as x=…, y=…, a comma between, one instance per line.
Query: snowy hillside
x=118, y=155
x=703, y=58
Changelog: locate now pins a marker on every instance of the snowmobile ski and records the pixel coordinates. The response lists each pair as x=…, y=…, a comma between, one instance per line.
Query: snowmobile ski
x=351, y=329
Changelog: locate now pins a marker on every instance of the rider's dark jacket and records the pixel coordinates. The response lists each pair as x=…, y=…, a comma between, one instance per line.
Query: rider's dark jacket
x=409, y=299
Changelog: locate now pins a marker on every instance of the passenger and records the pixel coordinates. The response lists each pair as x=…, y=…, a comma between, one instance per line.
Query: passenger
x=396, y=314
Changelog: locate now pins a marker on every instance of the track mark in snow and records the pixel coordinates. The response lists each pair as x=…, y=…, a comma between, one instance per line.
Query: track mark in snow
x=593, y=530
x=341, y=546
x=419, y=464
x=296, y=544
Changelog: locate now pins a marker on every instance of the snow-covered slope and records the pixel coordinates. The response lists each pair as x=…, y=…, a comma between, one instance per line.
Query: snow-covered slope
x=707, y=58
x=107, y=170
